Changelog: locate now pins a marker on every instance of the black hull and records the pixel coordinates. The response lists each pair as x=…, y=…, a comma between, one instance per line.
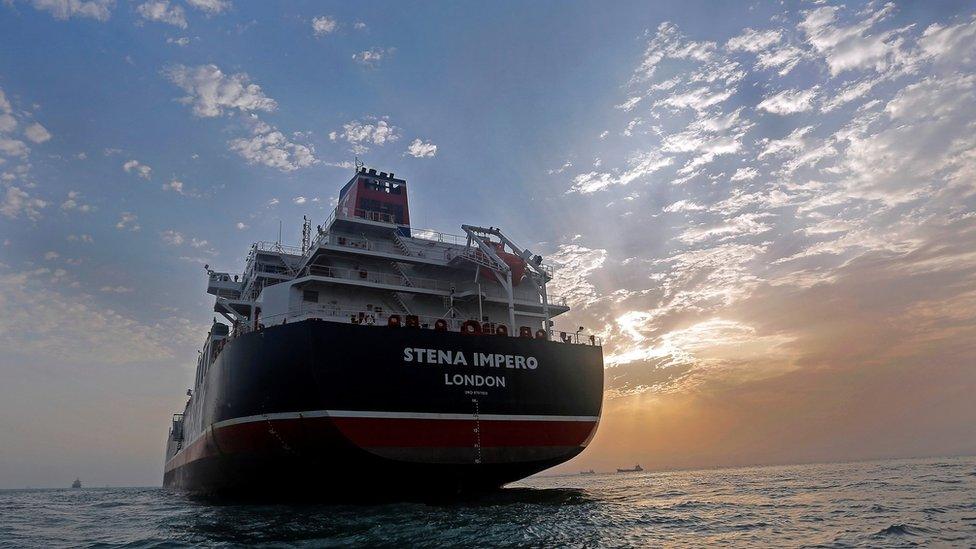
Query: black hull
x=341, y=411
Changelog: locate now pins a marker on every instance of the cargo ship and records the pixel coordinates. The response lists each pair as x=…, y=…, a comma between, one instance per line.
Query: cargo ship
x=378, y=359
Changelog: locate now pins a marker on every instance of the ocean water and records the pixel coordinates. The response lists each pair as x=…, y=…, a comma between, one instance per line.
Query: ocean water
x=899, y=503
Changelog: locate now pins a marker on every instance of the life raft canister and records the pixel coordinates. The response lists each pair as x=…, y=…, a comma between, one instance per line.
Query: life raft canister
x=525, y=331
x=540, y=334
x=393, y=321
x=501, y=330
x=470, y=327
x=440, y=325
x=413, y=321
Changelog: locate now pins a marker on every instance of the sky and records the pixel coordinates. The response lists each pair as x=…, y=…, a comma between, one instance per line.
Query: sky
x=767, y=211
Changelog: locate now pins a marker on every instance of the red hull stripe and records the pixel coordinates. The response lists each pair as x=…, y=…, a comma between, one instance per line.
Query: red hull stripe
x=316, y=430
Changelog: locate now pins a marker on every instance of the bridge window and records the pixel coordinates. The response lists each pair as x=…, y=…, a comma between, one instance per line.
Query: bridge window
x=310, y=295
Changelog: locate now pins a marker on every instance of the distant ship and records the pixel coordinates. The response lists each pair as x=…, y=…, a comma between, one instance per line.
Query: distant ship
x=590, y=472
x=636, y=469
x=378, y=358
x=76, y=483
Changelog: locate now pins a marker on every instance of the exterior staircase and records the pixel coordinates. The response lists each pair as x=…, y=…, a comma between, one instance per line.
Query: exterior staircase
x=399, y=243
x=397, y=297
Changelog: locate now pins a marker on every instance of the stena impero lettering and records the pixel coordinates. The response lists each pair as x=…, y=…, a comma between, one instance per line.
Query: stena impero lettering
x=378, y=359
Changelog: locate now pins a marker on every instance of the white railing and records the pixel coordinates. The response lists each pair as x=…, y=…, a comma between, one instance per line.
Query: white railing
x=365, y=275
x=380, y=317
x=264, y=246
x=390, y=279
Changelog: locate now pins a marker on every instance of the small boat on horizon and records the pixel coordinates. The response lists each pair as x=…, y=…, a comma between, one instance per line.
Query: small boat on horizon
x=77, y=483
x=636, y=469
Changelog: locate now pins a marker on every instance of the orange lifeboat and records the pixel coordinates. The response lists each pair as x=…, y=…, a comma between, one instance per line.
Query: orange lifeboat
x=514, y=262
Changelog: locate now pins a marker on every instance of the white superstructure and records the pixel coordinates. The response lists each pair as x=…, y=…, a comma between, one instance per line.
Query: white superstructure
x=367, y=265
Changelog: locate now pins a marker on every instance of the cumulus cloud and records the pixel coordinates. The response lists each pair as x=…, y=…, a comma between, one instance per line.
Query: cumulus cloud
x=212, y=93
x=420, y=149
x=174, y=185
x=138, y=168
x=172, y=238
x=17, y=202
x=128, y=221
x=73, y=202
x=270, y=147
x=640, y=165
x=161, y=11
x=372, y=57
x=362, y=134
x=211, y=7
x=852, y=46
x=324, y=25
x=37, y=133
x=788, y=101
x=100, y=10
x=754, y=41
x=241, y=226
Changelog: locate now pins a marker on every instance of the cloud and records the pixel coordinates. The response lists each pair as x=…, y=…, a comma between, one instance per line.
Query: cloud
x=783, y=59
x=116, y=289
x=162, y=12
x=684, y=206
x=419, y=149
x=172, y=238
x=17, y=202
x=754, y=41
x=640, y=166
x=65, y=9
x=140, y=169
x=73, y=202
x=574, y=265
x=212, y=93
x=372, y=131
x=241, y=226
x=744, y=174
x=324, y=25
x=269, y=146
x=299, y=200
x=788, y=101
x=849, y=47
x=174, y=185
x=128, y=222
x=7, y=123
x=372, y=57
x=182, y=41
x=86, y=238
x=13, y=147
x=210, y=7
x=37, y=133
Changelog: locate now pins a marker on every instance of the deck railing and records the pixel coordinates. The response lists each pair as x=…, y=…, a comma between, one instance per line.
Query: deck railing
x=381, y=316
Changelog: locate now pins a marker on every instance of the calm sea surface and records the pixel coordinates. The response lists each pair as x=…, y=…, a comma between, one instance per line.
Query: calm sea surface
x=875, y=504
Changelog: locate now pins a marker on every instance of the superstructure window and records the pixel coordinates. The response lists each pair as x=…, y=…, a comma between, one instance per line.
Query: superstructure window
x=310, y=296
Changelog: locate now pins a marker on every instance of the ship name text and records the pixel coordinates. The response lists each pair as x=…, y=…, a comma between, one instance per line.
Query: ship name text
x=419, y=355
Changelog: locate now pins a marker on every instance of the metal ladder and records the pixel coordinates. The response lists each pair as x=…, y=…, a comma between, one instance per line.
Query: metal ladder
x=399, y=243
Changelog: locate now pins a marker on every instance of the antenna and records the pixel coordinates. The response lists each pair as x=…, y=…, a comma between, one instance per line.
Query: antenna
x=359, y=164
x=279, y=233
